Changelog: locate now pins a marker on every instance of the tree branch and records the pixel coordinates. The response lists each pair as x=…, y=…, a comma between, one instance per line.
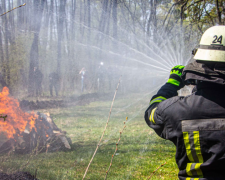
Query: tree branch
x=156, y=170
x=132, y=16
x=194, y=3
x=13, y=9
x=177, y=3
x=116, y=148
x=218, y=11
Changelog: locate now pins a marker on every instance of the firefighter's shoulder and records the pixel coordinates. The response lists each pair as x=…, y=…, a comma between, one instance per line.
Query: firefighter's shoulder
x=169, y=103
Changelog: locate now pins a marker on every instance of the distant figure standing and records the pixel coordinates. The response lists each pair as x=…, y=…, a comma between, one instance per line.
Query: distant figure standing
x=53, y=82
x=82, y=73
x=101, y=77
x=38, y=77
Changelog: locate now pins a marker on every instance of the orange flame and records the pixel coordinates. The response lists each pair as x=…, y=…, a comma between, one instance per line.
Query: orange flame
x=16, y=120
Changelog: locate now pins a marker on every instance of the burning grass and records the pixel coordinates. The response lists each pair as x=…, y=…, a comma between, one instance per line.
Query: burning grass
x=139, y=153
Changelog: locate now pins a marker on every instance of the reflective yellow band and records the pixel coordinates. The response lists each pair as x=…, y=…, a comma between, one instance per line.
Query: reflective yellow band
x=157, y=99
x=173, y=81
x=188, y=169
x=151, y=117
x=188, y=147
x=197, y=168
x=192, y=178
x=193, y=170
x=193, y=149
x=197, y=146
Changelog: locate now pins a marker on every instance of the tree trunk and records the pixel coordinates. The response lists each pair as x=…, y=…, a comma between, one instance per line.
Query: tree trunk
x=89, y=18
x=60, y=34
x=182, y=14
x=103, y=16
x=154, y=21
x=108, y=18
x=2, y=54
x=1, y=48
x=51, y=19
x=7, y=37
x=102, y=24
x=114, y=15
x=34, y=55
x=72, y=57
x=149, y=21
x=89, y=31
x=218, y=12
x=81, y=17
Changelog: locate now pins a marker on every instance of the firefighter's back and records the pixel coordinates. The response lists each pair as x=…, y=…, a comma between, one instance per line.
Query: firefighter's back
x=196, y=125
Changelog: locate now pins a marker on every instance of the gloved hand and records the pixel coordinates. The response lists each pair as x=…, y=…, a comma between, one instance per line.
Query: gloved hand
x=175, y=76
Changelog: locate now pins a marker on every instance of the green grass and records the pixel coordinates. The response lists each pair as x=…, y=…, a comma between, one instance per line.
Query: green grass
x=140, y=150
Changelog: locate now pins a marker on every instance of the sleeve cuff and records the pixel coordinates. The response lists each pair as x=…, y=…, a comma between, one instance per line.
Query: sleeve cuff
x=173, y=81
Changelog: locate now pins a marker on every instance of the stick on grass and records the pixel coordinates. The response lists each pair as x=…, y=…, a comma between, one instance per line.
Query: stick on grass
x=156, y=170
x=103, y=131
x=116, y=148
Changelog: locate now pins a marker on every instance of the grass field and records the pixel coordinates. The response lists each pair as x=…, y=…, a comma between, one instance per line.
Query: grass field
x=140, y=151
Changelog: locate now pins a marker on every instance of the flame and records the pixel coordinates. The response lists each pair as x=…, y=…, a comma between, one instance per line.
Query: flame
x=16, y=120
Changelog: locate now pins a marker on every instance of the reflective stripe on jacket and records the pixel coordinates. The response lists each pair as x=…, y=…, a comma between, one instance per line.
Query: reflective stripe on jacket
x=196, y=126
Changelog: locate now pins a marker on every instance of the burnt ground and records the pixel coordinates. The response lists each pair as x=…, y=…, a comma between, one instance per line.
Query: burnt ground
x=84, y=99
x=17, y=176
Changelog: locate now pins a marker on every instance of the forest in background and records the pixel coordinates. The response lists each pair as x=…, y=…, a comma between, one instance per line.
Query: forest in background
x=64, y=36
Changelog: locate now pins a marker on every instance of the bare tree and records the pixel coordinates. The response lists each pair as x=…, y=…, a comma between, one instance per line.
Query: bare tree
x=60, y=28
x=34, y=52
x=114, y=15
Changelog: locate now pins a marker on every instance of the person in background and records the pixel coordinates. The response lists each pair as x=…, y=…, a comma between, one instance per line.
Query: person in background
x=54, y=83
x=82, y=74
x=101, y=77
x=38, y=77
x=195, y=123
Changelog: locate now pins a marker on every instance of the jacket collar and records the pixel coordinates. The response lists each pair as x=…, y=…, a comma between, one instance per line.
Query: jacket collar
x=201, y=72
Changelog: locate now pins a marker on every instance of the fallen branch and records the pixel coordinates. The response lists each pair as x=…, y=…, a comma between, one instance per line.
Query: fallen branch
x=103, y=131
x=4, y=117
x=156, y=170
x=116, y=148
x=13, y=9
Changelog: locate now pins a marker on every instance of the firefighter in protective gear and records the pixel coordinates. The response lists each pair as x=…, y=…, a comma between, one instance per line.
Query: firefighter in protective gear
x=195, y=123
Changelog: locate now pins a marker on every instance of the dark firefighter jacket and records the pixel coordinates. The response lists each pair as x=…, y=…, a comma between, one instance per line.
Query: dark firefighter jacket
x=196, y=126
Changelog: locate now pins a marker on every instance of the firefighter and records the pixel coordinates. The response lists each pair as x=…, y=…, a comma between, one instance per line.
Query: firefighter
x=101, y=77
x=83, y=77
x=195, y=123
x=53, y=83
x=38, y=77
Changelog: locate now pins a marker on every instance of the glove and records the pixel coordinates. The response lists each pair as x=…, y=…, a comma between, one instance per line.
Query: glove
x=175, y=76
